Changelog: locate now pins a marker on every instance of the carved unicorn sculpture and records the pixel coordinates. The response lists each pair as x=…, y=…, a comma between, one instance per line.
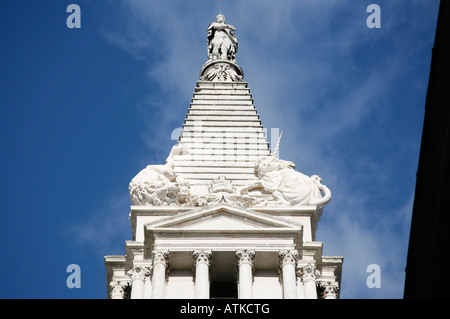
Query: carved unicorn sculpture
x=287, y=186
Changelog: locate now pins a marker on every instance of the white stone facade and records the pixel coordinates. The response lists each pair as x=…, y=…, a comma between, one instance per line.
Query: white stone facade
x=224, y=217
x=209, y=252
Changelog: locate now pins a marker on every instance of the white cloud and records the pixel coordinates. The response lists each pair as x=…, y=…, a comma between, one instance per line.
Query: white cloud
x=107, y=229
x=366, y=236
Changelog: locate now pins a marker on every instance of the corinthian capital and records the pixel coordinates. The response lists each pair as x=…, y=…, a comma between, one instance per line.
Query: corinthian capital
x=202, y=257
x=138, y=273
x=160, y=257
x=329, y=289
x=118, y=289
x=245, y=256
x=288, y=257
x=308, y=272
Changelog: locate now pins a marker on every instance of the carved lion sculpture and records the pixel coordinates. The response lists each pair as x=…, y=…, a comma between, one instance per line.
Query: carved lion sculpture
x=287, y=186
x=157, y=185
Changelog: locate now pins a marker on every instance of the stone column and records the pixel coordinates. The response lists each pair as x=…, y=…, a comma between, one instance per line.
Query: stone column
x=288, y=265
x=245, y=265
x=137, y=275
x=118, y=289
x=148, y=285
x=202, y=263
x=160, y=267
x=300, y=288
x=329, y=289
x=309, y=274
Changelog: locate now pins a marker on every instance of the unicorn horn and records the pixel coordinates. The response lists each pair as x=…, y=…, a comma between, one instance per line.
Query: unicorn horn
x=278, y=145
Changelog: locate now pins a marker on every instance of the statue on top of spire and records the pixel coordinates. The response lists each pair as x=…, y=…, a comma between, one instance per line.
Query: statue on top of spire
x=222, y=43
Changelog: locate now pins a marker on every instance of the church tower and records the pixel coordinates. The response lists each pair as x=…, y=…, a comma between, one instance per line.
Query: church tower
x=224, y=217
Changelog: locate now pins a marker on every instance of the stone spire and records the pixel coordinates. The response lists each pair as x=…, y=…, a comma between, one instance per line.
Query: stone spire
x=222, y=154
x=223, y=197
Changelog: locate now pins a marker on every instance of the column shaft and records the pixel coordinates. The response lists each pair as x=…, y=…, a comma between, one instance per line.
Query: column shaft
x=147, y=287
x=160, y=265
x=137, y=289
x=202, y=263
x=288, y=264
x=245, y=264
x=310, y=289
x=137, y=275
x=309, y=274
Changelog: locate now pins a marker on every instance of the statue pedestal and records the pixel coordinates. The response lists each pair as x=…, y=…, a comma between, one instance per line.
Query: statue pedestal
x=221, y=70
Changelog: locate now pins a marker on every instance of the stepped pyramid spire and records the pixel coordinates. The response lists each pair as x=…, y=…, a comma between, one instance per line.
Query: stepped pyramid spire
x=222, y=132
x=223, y=200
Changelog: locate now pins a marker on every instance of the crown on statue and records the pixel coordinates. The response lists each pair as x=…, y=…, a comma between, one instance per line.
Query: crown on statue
x=221, y=17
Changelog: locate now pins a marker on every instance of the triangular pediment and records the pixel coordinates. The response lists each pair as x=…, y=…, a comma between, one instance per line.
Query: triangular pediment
x=222, y=221
x=223, y=217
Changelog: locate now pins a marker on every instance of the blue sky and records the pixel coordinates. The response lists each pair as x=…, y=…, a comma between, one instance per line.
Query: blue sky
x=82, y=111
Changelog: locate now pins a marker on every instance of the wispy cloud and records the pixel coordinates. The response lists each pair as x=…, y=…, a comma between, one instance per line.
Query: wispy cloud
x=106, y=230
x=364, y=235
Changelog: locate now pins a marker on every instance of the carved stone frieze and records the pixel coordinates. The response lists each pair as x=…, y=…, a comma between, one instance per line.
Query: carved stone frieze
x=221, y=72
x=221, y=184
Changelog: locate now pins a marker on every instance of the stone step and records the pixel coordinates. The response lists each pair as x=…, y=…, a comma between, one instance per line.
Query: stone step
x=222, y=93
x=221, y=96
x=234, y=103
x=217, y=141
x=188, y=130
x=236, y=131
x=214, y=143
x=221, y=85
x=214, y=170
x=178, y=163
x=228, y=133
x=222, y=112
x=210, y=177
x=223, y=124
x=222, y=107
x=236, y=182
x=205, y=149
x=229, y=91
x=217, y=99
x=223, y=117
x=230, y=158
x=225, y=151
